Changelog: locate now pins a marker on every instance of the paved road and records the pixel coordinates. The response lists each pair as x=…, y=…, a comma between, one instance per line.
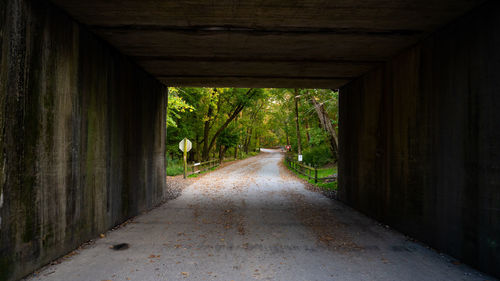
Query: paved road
x=252, y=220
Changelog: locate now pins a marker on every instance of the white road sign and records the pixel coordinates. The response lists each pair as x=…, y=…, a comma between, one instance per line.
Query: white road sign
x=189, y=145
x=300, y=157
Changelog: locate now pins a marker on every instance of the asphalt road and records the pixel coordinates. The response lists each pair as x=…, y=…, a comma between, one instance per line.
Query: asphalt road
x=253, y=220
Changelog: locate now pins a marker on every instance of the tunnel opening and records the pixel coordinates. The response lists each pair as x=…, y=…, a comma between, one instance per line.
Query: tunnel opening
x=233, y=123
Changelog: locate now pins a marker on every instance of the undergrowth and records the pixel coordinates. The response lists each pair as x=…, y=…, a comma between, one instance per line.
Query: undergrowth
x=321, y=174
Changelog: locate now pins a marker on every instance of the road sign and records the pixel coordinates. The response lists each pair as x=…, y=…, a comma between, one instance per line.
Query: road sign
x=185, y=145
x=300, y=157
x=189, y=145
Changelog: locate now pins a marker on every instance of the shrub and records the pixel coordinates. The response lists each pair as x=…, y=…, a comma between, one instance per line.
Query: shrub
x=175, y=167
x=317, y=156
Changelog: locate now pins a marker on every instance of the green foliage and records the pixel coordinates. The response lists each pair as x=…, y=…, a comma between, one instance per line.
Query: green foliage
x=176, y=105
x=318, y=136
x=214, y=109
x=244, y=155
x=175, y=167
x=317, y=156
x=229, y=137
x=255, y=118
x=327, y=185
x=321, y=174
x=327, y=172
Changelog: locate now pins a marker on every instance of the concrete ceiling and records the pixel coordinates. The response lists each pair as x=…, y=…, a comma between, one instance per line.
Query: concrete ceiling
x=263, y=43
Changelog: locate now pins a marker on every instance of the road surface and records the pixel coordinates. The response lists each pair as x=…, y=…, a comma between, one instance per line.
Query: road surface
x=253, y=220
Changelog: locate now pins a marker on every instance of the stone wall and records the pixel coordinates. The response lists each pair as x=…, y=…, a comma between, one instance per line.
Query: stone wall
x=81, y=136
x=420, y=140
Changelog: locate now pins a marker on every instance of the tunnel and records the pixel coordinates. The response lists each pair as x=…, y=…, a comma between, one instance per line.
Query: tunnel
x=84, y=91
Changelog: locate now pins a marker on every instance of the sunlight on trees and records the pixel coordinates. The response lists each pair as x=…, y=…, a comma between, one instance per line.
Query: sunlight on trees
x=227, y=122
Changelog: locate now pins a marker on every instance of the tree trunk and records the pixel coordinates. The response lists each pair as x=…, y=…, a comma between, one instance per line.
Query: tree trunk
x=326, y=124
x=297, y=127
x=248, y=139
x=206, y=130
x=286, y=133
x=307, y=131
x=235, y=113
x=222, y=152
x=197, y=148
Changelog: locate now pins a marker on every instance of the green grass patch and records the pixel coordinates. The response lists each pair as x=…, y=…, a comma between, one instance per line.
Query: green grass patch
x=326, y=185
x=175, y=167
x=321, y=174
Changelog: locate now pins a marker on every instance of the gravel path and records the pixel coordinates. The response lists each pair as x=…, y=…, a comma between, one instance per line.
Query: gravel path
x=253, y=220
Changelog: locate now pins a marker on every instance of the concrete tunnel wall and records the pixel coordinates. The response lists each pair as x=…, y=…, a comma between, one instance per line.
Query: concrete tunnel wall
x=420, y=141
x=82, y=133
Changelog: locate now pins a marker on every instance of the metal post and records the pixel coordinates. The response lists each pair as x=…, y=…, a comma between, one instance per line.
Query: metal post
x=185, y=157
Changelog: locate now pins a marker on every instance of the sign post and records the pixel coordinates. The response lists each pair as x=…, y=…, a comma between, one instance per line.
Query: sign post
x=185, y=146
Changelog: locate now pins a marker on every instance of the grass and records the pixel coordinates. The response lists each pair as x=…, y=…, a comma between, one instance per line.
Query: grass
x=174, y=167
x=321, y=174
x=249, y=154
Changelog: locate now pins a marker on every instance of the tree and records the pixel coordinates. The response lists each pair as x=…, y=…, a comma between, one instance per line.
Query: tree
x=259, y=117
x=176, y=105
x=296, y=98
x=237, y=101
x=229, y=137
x=326, y=124
x=249, y=120
x=208, y=120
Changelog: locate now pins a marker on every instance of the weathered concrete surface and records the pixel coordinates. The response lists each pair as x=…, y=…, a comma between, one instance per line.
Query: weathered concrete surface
x=81, y=137
x=259, y=43
x=420, y=141
x=253, y=220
